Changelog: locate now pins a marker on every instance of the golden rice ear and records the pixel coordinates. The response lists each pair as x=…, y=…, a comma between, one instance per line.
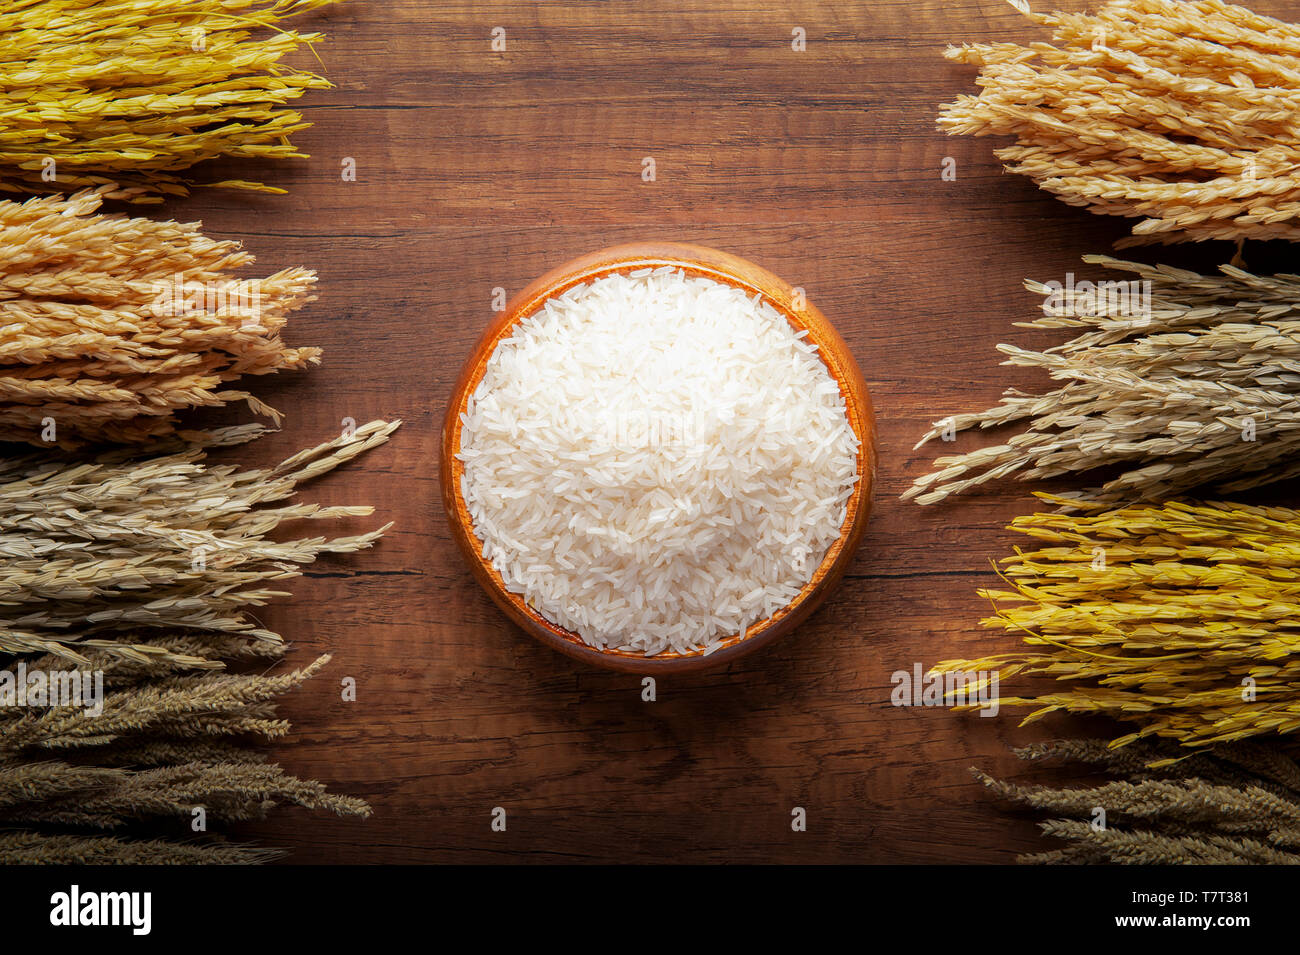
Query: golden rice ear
x=1138, y=612
x=93, y=350
x=1176, y=115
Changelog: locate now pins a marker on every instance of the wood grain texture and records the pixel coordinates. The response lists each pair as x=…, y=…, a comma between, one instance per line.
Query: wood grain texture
x=479, y=170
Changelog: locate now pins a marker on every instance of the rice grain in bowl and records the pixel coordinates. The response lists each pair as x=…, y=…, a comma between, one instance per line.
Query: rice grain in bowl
x=658, y=457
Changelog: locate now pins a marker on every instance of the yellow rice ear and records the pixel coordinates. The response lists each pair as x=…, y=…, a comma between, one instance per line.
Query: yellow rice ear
x=79, y=135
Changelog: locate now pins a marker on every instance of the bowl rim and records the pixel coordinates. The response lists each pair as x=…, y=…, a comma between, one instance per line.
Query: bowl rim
x=721, y=267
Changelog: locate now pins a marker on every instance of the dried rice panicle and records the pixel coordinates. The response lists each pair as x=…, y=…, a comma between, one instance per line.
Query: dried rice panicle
x=132, y=94
x=1200, y=387
x=24, y=847
x=109, y=325
x=1178, y=617
x=164, y=744
x=1180, y=113
x=1232, y=804
x=142, y=574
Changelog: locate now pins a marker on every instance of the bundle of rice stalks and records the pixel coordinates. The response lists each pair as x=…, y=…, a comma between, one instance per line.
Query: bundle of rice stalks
x=109, y=325
x=1181, y=618
x=1180, y=379
x=166, y=744
x=1235, y=804
x=142, y=572
x=24, y=847
x=97, y=92
x=97, y=555
x=1181, y=114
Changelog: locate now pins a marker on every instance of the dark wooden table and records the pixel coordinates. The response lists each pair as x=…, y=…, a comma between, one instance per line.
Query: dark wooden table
x=479, y=169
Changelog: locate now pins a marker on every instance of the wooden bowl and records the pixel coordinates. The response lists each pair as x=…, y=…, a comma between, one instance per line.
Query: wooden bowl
x=721, y=267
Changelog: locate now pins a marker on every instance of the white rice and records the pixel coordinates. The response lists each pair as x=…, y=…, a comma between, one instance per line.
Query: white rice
x=656, y=462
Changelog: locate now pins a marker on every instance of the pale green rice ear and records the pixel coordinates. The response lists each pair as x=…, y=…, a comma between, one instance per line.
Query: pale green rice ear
x=1163, y=381
x=150, y=575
